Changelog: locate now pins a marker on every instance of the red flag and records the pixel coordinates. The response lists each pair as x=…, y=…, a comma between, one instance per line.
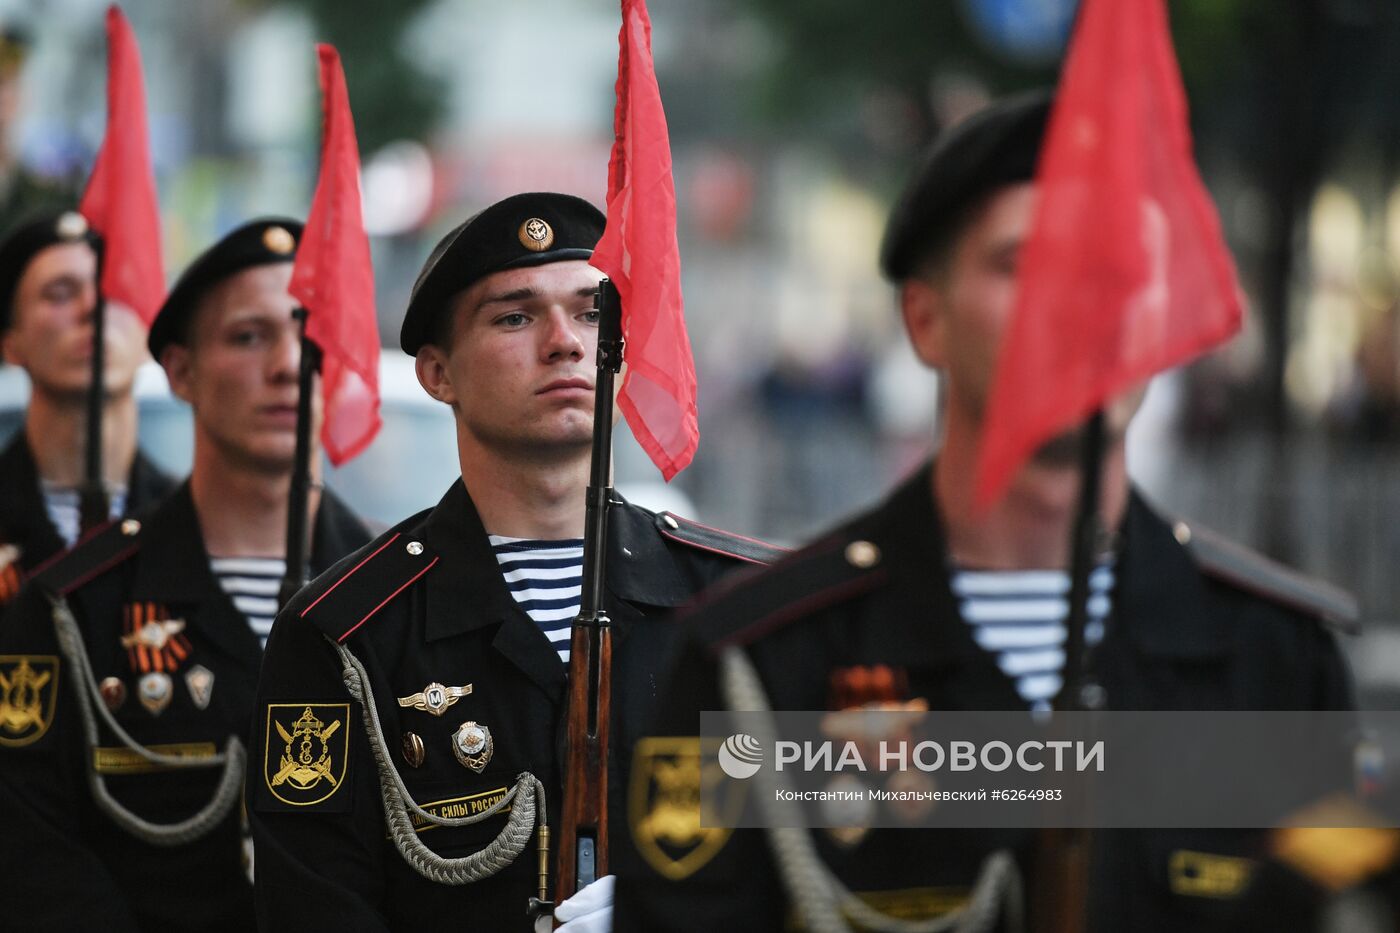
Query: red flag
x=120, y=199
x=334, y=281
x=1125, y=272
x=639, y=253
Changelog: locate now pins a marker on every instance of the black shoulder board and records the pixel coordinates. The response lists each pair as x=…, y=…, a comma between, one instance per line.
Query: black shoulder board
x=347, y=597
x=107, y=546
x=705, y=538
x=1238, y=566
x=742, y=610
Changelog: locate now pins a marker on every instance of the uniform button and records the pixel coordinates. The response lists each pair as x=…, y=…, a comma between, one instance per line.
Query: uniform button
x=670, y=522
x=415, y=548
x=130, y=527
x=1182, y=532
x=862, y=554
x=1093, y=696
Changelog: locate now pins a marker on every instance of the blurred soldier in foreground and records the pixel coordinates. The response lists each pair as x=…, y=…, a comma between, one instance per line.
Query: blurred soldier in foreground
x=923, y=603
x=129, y=665
x=410, y=712
x=48, y=293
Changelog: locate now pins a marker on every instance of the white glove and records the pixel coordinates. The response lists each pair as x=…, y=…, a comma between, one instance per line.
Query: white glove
x=588, y=911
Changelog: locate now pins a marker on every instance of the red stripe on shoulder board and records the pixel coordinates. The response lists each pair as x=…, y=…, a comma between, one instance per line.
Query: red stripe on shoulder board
x=389, y=597
x=100, y=569
x=727, y=534
x=55, y=558
x=689, y=542
x=350, y=573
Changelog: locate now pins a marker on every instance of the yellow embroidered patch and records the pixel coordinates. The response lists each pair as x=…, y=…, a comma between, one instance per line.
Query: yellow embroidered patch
x=458, y=807
x=122, y=760
x=663, y=803
x=305, y=750
x=1205, y=874
x=28, y=694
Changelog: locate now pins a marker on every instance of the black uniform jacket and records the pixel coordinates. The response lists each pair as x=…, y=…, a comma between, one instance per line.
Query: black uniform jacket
x=27, y=535
x=1190, y=629
x=426, y=603
x=65, y=864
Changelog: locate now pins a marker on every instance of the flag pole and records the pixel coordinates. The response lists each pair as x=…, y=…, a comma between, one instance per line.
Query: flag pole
x=93, y=508
x=583, y=831
x=1060, y=892
x=1084, y=544
x=295, y=575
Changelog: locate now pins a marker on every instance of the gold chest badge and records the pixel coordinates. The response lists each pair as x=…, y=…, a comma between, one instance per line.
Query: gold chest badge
x=28, y=692
x=306, y=746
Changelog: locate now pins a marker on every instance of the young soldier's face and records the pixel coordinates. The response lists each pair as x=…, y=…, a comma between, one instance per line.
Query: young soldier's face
x=239, y=371
x=957, y=317
x=521, y=367
x=50, y=334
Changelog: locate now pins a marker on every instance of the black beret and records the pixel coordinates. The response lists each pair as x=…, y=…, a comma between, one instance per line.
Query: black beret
x=257, y=243
x=523, y=230
x=994, y=147
x=27, y=240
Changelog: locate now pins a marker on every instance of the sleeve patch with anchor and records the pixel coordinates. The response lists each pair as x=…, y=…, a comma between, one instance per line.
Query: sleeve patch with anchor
x=28, y=693
x=305, y=749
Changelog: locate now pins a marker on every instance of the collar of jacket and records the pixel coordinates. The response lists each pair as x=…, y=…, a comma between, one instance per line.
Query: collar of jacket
x=1160, y=596
x=24, y=519
x=1159, y=599
x=174, y=564
x=467, y=591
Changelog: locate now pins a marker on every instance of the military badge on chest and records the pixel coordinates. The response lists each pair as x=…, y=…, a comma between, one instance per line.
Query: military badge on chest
x=306, y=750
x=10, y=577
x=472, y=744
x=154, y=642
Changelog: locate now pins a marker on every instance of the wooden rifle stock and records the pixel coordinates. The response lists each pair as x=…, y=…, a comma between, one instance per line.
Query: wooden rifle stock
x=582, y=849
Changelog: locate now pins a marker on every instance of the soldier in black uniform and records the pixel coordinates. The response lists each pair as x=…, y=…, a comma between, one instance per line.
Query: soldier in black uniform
x=48, y=290
x=452, y=626
x=924, y=601
x=129, y=665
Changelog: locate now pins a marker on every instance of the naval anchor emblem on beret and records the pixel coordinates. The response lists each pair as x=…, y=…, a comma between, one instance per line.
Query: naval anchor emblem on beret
x=306, y=746
x=71, y=225
x=536, y=235
x=279, y=240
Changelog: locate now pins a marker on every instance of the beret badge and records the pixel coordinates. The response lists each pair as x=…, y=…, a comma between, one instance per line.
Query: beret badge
x=279, y=240
x=70, y=225
x=536, y=235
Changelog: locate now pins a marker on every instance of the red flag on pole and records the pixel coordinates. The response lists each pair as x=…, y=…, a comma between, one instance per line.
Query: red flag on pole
x=639, y=253
x=334, y=281
x=120, y=198
x=1125, y=272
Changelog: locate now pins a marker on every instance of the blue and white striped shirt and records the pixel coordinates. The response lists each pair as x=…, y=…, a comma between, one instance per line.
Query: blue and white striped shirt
x=546, y=579
x=1019, y=616
x=252, y=584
